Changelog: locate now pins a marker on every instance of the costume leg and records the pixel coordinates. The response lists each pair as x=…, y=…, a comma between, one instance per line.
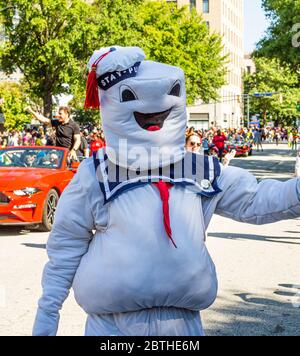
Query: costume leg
x=147, y=322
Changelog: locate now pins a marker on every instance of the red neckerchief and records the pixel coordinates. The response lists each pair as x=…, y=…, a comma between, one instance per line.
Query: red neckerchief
x=163, y=188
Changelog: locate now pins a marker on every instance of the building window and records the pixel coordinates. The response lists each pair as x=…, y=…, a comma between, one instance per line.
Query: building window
x=192, y=4
x=200, y=121
x=205, y=6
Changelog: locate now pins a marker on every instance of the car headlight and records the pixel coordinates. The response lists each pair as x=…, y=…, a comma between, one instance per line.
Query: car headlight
x=26, y=191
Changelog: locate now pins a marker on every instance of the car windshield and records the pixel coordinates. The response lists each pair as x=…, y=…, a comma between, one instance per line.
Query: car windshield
x=31, y=157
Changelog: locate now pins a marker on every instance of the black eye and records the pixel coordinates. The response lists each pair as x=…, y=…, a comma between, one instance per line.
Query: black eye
x=128, y=95
x=175, y=91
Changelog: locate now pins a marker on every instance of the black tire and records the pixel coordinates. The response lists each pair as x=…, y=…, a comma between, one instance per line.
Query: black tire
x=49, y=211
x=250, y=152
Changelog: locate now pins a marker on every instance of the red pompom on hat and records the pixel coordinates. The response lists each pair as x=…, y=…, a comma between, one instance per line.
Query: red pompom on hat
x=119, y=59
x=92, y=96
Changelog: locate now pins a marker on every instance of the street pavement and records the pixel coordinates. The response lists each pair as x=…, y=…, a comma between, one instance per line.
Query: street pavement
x=258, y=269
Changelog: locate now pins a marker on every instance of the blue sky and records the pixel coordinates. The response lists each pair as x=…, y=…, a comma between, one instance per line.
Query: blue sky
x=255, y=23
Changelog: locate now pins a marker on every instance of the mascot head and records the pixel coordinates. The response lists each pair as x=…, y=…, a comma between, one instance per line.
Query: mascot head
x=143, y=107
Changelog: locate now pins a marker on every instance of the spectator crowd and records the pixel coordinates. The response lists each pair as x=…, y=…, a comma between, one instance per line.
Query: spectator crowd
x=92, y=138
x=216, y=137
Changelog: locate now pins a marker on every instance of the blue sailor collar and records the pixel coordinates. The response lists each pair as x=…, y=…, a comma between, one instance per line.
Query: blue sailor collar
x=195, y=172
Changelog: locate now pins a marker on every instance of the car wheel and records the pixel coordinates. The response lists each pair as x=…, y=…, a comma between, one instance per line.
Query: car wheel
x=250, y=153
x=49, y=210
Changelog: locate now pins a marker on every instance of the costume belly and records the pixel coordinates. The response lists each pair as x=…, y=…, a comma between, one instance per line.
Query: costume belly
x=132, y=265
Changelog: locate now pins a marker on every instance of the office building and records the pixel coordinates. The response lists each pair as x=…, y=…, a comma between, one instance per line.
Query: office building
x=225, y=17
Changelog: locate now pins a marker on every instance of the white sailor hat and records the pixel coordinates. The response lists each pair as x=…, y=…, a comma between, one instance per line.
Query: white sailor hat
x=107, y=67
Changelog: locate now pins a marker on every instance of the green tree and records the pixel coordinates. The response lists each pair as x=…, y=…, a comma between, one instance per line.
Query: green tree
x=271, y=76
x=118, y=23
x=167, y=34
x=13, y=101
x=286, y=112
x=283, y=36
x=179, y=37
x=83, y=116
x=49, y=41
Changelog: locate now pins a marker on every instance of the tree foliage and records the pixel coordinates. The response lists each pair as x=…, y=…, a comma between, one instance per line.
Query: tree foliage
x=52, y=40
x=169, y=35
x=283, y=36
x=179, y=37
x=271, y=76
x=84, y=117
x=49, y=41
x=13, y=101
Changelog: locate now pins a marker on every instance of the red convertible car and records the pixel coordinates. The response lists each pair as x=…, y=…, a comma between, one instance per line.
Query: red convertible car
x=31, y=182
x=242, y=148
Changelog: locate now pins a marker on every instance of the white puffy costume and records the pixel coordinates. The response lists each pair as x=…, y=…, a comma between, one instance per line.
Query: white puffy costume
x=134, y=251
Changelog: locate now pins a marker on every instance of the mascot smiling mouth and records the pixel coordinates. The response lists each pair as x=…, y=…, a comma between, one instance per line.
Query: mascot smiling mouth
x=152, y=121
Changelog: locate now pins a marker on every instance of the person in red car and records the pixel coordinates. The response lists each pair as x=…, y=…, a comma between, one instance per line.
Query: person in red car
x=67, y=131
x=219, y=141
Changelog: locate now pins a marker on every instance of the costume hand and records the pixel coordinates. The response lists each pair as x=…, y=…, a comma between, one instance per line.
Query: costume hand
x=228, y=157
x=231, y=154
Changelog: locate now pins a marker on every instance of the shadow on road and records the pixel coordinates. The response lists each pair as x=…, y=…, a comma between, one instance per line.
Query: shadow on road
x=17, y=230
x=269, y=163
x=289, y=286
x=269, y=152
x=43, y=246
x=233, y=236
x=248, y=298
x=252, y=315
x=266, y=168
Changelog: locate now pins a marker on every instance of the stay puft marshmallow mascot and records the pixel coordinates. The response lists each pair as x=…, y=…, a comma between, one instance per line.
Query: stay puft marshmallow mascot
x=129, y=231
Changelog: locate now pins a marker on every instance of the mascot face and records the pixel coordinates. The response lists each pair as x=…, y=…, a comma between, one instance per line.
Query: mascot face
x=143, y=109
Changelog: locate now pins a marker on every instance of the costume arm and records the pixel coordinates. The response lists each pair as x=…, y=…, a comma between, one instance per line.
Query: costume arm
x=68, y=242
x=245, y=200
